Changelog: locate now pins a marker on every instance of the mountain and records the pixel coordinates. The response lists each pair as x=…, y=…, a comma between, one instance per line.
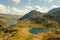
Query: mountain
x=50, y=19
x=54, y=14
x=34, y=16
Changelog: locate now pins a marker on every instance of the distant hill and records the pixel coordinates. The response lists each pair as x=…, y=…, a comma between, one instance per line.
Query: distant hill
x=8, y=19
x=10, y=16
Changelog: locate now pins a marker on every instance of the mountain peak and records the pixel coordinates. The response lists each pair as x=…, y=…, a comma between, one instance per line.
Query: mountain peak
x=31, y=13
x=34, y=11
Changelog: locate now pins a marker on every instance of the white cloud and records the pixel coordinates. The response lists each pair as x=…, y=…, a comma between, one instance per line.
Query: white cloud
x=18, y=12
x=40, y=0
x=45, y=0
x=16, y=1
x=41, y=9
x=38, y=8
x=48, y=1
x=29, y=7
x=29, y=0
x=3, y=9
x=55, y=6
x=14, y=10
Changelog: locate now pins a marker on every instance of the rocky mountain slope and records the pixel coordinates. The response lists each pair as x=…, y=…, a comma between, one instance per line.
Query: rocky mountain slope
x=50, y=19
x=54, y=14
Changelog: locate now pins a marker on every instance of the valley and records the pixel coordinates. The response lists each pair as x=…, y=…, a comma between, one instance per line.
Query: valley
x=32, y=26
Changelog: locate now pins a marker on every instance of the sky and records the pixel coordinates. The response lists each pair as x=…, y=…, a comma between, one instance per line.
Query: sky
x=21, y=7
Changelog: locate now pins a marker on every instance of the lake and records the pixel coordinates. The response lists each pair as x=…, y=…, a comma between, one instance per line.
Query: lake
x=37, y=30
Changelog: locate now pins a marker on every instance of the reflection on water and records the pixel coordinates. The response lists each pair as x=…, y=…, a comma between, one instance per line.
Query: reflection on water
x=37, y=30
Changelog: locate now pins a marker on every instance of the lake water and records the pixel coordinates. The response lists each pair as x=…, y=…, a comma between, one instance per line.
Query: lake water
x=37, y=30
